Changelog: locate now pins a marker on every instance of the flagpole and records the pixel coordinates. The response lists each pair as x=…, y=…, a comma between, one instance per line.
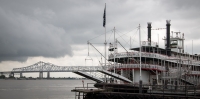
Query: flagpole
x=105, y=34
x=105, y=52
x=104, y=25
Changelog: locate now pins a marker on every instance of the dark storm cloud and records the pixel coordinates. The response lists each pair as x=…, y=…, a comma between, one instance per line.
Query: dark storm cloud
x=22, y=35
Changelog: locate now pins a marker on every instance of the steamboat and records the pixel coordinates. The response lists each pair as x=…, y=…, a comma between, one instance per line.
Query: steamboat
x=148, y=71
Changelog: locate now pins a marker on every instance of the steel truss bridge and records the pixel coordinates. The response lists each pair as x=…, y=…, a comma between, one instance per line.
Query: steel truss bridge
x=80, y=70
x=49, y=67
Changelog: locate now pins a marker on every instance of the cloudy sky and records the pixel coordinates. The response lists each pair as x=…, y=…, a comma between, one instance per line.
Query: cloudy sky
x=57, y=31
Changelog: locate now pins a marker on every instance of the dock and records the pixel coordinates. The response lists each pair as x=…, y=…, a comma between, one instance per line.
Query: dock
x=124, y=91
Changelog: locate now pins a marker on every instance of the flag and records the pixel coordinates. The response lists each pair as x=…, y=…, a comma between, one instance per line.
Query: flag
x=104, y=17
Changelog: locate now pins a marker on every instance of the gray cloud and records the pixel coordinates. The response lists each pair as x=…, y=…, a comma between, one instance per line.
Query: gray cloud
x=23, y=36
x=49, y=28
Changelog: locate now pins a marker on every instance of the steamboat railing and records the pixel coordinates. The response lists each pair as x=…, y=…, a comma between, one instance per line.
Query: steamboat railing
x=143, y=66
x=174, y=59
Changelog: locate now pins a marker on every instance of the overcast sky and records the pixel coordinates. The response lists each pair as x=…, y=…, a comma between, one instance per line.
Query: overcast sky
x=57, y=31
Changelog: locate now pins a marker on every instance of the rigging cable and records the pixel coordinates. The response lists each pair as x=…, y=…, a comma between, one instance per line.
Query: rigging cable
x=120, y=36
x=98, y=35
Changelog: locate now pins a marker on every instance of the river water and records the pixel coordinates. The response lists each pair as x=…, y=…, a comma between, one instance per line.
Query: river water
x=40, y=89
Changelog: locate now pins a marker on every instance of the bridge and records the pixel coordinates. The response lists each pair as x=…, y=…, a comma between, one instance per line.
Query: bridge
x=42, y=67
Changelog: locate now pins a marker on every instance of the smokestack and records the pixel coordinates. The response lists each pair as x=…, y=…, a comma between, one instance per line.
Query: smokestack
x=149, y=32
x=168, y=49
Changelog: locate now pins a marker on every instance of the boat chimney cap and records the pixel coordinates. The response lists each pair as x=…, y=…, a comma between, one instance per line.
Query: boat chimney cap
x=168, y=21
x=148, y=22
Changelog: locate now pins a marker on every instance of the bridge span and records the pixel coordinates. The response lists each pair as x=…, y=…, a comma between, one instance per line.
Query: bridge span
x=49, y=67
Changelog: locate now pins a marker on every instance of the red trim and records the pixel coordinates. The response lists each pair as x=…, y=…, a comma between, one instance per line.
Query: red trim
x=139, y=68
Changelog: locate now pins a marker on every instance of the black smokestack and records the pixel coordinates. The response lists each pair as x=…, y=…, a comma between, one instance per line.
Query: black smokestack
x=168, y=49
x=149, y=32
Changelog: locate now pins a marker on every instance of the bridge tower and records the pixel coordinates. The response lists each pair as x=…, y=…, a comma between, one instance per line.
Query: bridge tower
x=41, y=75
x=21, y=75
x=48, y=75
